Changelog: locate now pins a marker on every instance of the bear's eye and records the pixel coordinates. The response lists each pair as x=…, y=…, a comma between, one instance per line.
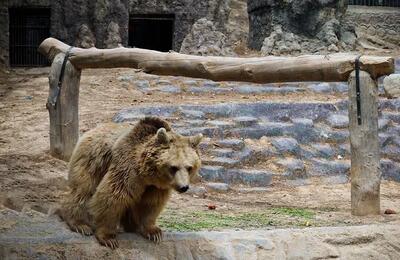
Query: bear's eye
x=189, y=168
x=173, y=170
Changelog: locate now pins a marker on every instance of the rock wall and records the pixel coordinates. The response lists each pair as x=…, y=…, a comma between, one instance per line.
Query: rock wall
x=84, y=23
x=205, y=39
x=376, y=27
x=218, y=33
x=105, y=23
x=291, y=27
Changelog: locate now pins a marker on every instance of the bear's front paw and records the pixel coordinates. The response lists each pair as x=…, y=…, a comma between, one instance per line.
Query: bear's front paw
x=107, y=240
x=82, y=228
x=153, y=234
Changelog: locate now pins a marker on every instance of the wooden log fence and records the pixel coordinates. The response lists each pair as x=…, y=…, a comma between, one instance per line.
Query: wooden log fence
x=365, y=171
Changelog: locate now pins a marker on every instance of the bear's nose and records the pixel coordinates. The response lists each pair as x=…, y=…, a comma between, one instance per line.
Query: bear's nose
x=183, y=189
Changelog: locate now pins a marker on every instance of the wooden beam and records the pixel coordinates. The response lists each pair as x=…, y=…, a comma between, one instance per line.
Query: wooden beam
x=364, y=142
x=64, y=119
x=269, y=69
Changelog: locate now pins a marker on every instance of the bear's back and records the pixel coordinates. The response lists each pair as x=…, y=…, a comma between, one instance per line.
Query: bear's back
x=92, y=153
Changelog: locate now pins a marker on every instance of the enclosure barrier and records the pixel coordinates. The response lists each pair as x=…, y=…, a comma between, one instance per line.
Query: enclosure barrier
x=67, y=63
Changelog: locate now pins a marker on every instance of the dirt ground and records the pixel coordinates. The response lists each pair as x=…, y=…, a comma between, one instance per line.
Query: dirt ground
x=30, y=177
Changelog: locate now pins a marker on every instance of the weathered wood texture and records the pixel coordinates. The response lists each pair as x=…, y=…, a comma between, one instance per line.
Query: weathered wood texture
x=335, y=67
x=364, y=141
x=64, y=118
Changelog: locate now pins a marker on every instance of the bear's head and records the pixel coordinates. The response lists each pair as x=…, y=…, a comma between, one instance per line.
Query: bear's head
x=177, y=160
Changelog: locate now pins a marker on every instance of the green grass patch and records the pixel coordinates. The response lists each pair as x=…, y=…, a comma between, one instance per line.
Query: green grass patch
x=214, y=220
x=294, y=212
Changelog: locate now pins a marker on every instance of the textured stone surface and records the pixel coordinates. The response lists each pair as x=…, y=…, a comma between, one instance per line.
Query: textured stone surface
x=245, y=121
x=338, y=121
x=217, y=186
x=221, y=124
x=85, y=38
x=204, y=39
x=294, y=168
x=227, y=152
x=231, y=143
x=390, y=170
x=107, y=21
x=170, y=89
x=391, y=84
x=197, y=190
x=376, y=27
x=286, y=145
x=321, y=88
x=325, y=167
x=324, y=150
x=249, y=177
x=313, y=135
x=223, y=161
x=192, y=114
x=35, y=236
x=293, y=27
x=212, y=173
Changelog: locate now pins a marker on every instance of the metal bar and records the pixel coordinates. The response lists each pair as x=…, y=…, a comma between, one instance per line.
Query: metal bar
x=28, y=28
x=389, y=3
x=53, y=99
x=358, y=89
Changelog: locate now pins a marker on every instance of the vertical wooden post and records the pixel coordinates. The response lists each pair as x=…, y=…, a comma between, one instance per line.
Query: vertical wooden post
x=64, y=119
x=364, y=141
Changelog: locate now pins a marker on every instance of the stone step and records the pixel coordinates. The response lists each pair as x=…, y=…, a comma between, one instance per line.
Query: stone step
x=222, y=152
x=236, y=176
x=234, y=144
x=333, y=114
x=315, y=133
x=321, y=167
x=205, y=86
x=220, y=161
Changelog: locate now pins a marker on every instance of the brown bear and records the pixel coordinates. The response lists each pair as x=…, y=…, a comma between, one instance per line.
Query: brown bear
x=124, y=176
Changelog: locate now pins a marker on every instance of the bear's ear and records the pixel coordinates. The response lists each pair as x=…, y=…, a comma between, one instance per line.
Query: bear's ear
x=195, y=140
x=162, y=136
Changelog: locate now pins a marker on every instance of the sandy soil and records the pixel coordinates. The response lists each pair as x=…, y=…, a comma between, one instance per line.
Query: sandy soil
x=30, y=177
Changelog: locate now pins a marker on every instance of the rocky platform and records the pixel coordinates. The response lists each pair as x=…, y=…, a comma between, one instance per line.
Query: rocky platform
x=32, y=235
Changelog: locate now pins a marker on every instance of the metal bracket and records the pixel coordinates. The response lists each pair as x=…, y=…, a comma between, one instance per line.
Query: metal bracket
x=358, y=90
x=52, y=100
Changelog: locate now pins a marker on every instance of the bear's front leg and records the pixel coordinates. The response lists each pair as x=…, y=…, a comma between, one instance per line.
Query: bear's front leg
x=108, y=204
x=106, y=213
x=142, y=217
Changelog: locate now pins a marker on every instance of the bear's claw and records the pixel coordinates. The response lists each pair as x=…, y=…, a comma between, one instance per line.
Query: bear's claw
x=82, y=229
x=109, y=242
x=154, y=234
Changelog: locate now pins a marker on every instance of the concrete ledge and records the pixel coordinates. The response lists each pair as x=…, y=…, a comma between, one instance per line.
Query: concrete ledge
x=32, y=235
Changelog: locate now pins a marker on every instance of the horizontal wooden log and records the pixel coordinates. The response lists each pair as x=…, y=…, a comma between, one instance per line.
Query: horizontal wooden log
x=335, y=67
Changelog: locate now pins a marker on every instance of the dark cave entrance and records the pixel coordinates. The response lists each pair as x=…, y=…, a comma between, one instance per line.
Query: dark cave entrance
x=153, y=32
x=28, y=28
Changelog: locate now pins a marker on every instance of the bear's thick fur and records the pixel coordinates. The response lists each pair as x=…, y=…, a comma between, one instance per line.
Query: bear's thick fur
x=124, y=176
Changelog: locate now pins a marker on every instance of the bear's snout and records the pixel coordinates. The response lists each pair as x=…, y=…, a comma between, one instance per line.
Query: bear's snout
x=183, y=189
